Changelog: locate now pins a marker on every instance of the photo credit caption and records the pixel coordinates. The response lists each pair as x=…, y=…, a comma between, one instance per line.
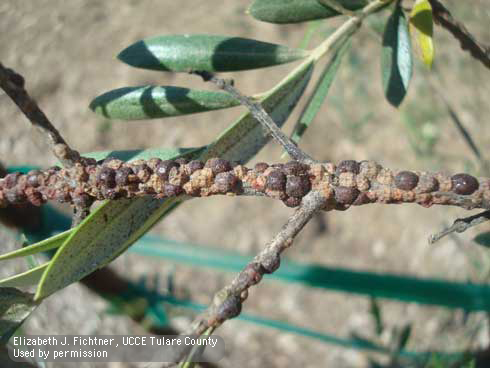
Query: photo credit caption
x=115, y=348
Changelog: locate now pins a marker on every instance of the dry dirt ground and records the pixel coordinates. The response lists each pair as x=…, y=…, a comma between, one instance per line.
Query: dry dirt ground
x=66, y=51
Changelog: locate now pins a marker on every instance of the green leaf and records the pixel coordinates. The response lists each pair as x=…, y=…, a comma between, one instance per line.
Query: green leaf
x=116, y=225
x=42, y=246
x=15, y=307
x=143, y=154
x=151, y=102
x=186, y=53
x=296, y=11
x=483, y=239
x=24, y=279
x=422, y=25
x=319, y=93
x=396, y=60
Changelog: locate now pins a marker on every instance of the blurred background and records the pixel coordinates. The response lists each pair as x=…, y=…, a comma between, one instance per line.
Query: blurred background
x=66, y=52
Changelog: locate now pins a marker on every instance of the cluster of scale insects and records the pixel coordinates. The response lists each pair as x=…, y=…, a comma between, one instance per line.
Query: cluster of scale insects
x=348, y=183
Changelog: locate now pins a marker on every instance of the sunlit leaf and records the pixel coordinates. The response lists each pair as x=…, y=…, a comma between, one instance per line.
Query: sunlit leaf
x=115, y=225
x=151, y=102
x=15, y=307
x=295, y=11
x=143, y=154
x=422, y=25
x=185, y=53
x=396, y=60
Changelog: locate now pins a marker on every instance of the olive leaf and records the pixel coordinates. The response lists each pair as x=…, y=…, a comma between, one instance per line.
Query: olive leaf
x=42, y=246
x=200, y=52
x=396, y=59
x=296, y=11
x=15, y=307
x=422, y=24
x=115, y=225
x=319, y=93
x=151, y=102
x=28, y=278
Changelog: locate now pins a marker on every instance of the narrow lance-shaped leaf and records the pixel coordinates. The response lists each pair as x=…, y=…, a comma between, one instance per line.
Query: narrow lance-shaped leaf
x=396, y=60
x=15, y=307
x=422, y=25
x=296, y=11
x=42, y=246
x=28, y=278
x=115, y=225
x=319, y=93
x=151, y=102
x=186, y=53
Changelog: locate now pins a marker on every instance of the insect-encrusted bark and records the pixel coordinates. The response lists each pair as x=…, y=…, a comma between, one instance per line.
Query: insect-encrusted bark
x=348, y=183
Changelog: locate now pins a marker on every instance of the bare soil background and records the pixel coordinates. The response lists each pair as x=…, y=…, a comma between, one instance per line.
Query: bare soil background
x=66, y=52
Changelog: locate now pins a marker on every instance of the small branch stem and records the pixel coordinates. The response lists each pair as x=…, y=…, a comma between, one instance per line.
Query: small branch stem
x=13, y=85
x=227, y=303
x=461, y=225
x=261, y=115
x=468, y=42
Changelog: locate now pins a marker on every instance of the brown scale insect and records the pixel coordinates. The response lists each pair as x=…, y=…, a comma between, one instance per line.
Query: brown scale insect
x=464, y=184
x=218, y=165
x=260, y=167
x=10, y=180
x=295, y=168
x=193, y=166
x=107, y=177
x=82, y=200
x=122, y=176
x=170, y=190
x=275, y=180
x=297, y=186
x=270, y=265
x=370, y=169
x=33, y=178
x=164, y=168
x=153, y=163
x=427, y=183
x=231, y=307
x=143, y=172
x=181, y=161
x=347, y=166
x=346, y=195
x=406, y=180
x=225, y=182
